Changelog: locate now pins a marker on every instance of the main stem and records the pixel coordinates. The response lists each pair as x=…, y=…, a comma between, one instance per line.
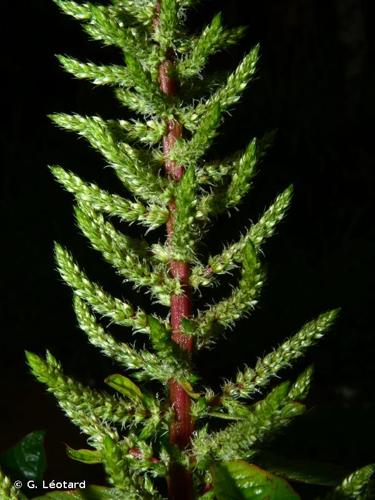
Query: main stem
x=180, y=483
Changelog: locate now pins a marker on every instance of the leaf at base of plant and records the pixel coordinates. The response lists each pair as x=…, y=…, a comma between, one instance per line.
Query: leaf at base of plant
x=239, y=480
x=27, y=459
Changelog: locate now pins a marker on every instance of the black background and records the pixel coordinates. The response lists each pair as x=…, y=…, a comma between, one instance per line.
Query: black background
x=315, y=85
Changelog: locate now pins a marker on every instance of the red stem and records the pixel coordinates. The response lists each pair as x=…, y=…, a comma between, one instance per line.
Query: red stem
x=180, y=483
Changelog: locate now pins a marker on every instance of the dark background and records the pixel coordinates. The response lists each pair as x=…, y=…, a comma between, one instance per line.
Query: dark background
x=315, y=84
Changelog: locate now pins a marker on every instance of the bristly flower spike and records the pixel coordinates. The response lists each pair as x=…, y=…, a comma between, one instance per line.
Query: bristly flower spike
x=157, y=421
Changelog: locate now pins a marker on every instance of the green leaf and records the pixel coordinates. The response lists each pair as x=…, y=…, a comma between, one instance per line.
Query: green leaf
x=125, y=386
x=27, y=459
x=188, y=326
x=84, y=456
x=188, y=388
x=89, y=493
x=304, y=471
x=159, y=336
x=239, y=480
x=210, y=495
x=223, y=416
